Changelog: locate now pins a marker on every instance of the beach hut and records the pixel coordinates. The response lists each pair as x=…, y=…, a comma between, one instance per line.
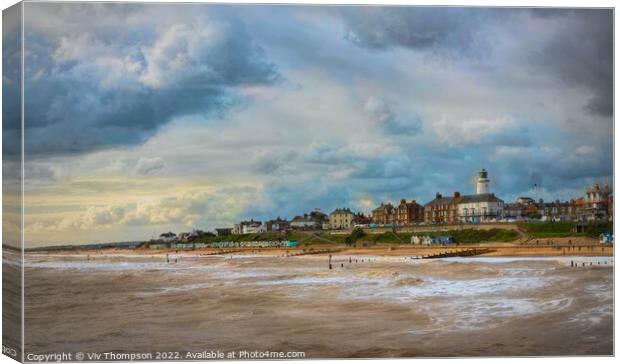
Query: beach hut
x=421, y=240
x=444, y=240
x=606, y=238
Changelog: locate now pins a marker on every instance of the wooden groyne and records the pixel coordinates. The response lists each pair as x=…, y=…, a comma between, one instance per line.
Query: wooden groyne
x=459, y=253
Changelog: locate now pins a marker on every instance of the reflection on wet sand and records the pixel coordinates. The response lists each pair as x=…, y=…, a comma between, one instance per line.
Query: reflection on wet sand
x=381, y=307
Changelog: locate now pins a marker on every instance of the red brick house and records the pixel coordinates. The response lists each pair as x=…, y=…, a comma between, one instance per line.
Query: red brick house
x=442, y=210
x=408, y=213
x=384, y=214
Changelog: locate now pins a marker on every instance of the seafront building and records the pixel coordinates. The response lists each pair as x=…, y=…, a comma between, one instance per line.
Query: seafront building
x=484, y=206
x=384, y=214
x=442, y=210
x=598, y=199
x=480, y=207
x=315, y=220
x=248, y=227
x=277, y=224
x=408, y=213
x=341, y=218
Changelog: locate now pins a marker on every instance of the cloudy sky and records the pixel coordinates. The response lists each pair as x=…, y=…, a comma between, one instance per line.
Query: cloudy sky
x=144, y=118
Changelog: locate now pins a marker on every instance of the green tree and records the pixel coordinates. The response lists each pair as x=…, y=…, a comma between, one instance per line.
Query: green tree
x=356, y=234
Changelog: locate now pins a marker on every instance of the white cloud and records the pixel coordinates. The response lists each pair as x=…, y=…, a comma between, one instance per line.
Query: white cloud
x=149, y=165
x=181, y=51
x=459, y=131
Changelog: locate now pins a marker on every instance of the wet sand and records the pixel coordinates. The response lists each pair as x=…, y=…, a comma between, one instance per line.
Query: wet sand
x=385, y=306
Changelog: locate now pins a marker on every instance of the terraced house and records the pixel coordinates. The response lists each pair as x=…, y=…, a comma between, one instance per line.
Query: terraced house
x=384, y=214
x=442, y=210
x=408, y=213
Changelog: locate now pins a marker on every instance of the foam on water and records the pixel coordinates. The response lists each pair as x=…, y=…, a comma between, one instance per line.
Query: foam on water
x=109, y=266
x=562, y=259
x=483, y=313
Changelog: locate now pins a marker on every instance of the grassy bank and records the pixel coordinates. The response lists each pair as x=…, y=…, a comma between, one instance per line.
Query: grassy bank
x=549, y=229
x=465, y=236
x=305, y=238
x=462, y=236
x=564, y=229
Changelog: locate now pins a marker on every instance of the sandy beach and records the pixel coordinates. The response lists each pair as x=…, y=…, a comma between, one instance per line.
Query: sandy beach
x=381, y=304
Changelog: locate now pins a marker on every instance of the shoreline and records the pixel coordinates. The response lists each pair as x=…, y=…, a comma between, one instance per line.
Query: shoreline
x=496, y=250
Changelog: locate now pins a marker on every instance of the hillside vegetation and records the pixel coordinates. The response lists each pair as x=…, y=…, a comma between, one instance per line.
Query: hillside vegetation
x=462, y=236
x=551, y=229
x=465, y=236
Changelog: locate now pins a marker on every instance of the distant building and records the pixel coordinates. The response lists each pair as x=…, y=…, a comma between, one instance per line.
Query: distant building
x=442, y=210
x=557, y=210
x=408, y=213
x=193, y=235
x=277, y=224
x=321, y=219
x=513, y=211
x=302, y=222
x=384, y=214
x=480, y=208
x=248, y=227
x=579, y=206
x=525, y=201
x=361, y=219
x=341, y=219
x=597, y=202
x=315, y=220
x=484, y=206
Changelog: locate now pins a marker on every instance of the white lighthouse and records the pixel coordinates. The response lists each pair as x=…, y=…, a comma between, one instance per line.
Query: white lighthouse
x=482, y=185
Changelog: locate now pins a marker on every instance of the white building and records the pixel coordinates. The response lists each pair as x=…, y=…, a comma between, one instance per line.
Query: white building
x=480, y=208
x=303, y=222
x=341, y=219
x=249, y=227
x=483, y=206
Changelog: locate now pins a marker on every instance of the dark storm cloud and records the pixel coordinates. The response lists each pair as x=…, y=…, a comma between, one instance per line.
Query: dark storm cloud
x=100, y=88
x=581, y=54
x=11, y=81
x=450, y=31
